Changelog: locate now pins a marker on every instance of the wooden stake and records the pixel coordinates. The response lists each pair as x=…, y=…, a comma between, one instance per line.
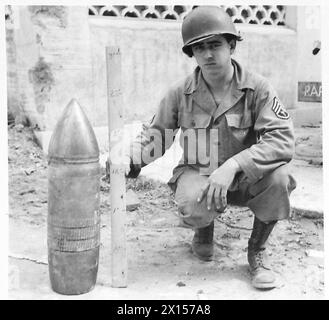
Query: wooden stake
x=117, y=174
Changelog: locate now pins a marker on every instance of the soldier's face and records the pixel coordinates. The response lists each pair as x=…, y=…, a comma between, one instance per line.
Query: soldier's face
x=213, y=55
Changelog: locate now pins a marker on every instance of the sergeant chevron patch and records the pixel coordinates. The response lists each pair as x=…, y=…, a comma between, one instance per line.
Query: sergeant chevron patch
x=279, y=110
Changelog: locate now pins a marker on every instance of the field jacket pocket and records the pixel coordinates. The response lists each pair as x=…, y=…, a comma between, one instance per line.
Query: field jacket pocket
x=239, y=126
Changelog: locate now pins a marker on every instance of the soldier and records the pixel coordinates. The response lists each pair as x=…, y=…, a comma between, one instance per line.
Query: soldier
x=236, y=136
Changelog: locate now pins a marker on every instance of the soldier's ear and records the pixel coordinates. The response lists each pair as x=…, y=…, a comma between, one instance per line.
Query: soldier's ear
x=232, y=44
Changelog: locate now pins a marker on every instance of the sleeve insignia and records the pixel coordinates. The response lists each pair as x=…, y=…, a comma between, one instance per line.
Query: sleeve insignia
x=279, y=110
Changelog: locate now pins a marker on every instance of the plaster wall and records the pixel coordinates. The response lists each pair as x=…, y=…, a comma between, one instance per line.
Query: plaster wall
x=61, y=55
x=58, y=53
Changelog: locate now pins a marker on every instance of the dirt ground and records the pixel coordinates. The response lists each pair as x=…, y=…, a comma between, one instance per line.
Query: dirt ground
x=161, y=265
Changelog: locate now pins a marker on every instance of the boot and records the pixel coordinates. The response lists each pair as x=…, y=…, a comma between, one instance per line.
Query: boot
x=202, y=243
x=262, y=276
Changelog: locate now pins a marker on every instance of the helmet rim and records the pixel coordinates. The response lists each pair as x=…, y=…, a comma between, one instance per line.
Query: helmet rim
x=187, y=48
x=206, y=21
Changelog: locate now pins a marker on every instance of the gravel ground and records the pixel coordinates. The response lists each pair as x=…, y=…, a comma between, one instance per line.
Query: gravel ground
x=161, y=265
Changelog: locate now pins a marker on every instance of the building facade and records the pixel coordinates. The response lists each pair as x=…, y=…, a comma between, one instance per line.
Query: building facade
x=56, y=53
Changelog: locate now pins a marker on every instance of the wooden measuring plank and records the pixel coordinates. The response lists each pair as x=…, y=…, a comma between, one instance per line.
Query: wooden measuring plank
x=117, y=171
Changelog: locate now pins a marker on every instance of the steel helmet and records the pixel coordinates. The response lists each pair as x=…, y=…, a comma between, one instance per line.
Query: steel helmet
x=204, y=22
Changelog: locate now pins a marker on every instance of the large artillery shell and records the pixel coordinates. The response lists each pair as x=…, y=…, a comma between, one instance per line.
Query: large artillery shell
x=73, y=203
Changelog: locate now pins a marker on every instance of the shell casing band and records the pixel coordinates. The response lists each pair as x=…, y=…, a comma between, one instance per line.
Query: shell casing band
x=73, y=236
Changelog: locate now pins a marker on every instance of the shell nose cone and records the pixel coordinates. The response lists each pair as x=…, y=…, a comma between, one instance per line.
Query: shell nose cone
x=73, y=138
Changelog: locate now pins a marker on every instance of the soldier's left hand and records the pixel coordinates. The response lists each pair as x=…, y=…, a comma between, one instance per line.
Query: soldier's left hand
x=217, y=185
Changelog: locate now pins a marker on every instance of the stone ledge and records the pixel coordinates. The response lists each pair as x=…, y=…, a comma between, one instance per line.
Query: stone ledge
x=306, y=213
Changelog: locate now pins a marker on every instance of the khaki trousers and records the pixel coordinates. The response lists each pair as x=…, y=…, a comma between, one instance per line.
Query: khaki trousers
x=268, y=198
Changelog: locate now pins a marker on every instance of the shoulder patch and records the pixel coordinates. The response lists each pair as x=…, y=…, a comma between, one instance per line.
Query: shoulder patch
x=279, y=110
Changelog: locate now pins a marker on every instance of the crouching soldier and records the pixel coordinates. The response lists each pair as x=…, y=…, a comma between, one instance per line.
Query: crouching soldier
x=237, y=141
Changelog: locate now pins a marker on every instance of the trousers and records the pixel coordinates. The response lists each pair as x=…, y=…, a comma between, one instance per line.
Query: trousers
x=268, y=198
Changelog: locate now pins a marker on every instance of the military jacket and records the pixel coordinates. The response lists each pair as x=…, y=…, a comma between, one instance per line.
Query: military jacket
x=250, y=124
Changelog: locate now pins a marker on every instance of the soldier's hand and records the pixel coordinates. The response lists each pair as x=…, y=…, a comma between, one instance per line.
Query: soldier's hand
x=135, y=169
x=217, y=185
x=126, y=164
x=122, y=160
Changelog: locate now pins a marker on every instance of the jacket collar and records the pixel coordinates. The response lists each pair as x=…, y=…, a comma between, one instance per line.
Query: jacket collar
x=243, y=79
x=198, y=89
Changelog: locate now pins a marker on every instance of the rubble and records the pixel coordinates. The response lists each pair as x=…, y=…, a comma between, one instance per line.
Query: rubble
x=155, y=256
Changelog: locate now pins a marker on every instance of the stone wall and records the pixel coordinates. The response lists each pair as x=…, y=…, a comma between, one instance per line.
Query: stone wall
x=12, y=81
x=153, y=60
x=309, y=66
x=60, y=54
x=53, y=61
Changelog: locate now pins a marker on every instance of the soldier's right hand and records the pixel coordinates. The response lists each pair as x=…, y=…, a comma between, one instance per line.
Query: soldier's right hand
x=119, y=156
x=134, y=170
x=124, y=160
